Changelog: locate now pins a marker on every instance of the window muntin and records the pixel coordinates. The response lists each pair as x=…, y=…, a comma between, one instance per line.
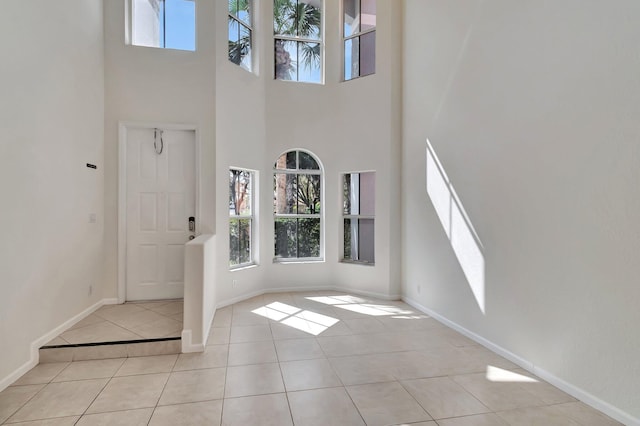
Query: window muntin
x=359, y=217
x=241, y=218
x=359, y=38
x=297, y=29
x=297, y=207
x=241, y=33
x=169, y=24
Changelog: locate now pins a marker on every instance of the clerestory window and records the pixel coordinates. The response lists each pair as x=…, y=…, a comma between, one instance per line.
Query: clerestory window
x=241, y=32
x=297, y=28
x=359, y=38
x=169, y=24
x=297, y=207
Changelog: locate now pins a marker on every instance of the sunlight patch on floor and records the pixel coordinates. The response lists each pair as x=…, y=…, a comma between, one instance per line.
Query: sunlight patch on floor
x=303, y=320
x=495, y=374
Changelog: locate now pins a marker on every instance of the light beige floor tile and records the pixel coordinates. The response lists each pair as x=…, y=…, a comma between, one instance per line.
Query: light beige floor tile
x=219, y=336
x=147, y=365
x=252, y=353
x=110, y=312
x=337, y=329
x=386, y=403
x=250, y=333
x=308, y=374
x=263, y=410
x=320, y=407
x=99, y=352
x=482, y=357
x=442, y=398
x=194, y=386
x=547, y=393
x=214, y=356
x=361, y=369
x=118, y=418
x=56, y=355
x=163, y=327
x=248, y=318
x=250, y=380
x=60, y=400
x=537, y=416
x=136, y=319
x=41, y=374
x=336, y=346
x=283, y=331
x=584, y=414
x=498, y=396
x=14, y=397
x=154, y=348
x=399, y=323
x=88, y=320
x=101, y=332
x=449, y=360
x=407, y=365
x=84, y=370
x=128, y=393
x=150, y=304
x=476, y=420
x=222, y=318
x=194, y=414
x=365, y=325
x=59, y=421
x=170, y=308
x=298, y=349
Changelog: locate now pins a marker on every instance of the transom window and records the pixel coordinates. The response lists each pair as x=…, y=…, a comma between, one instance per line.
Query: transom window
x=297, y=207
x=169, y=24
x=297, y=29
x=359, y=37
x=241, y=218
x=240, y=32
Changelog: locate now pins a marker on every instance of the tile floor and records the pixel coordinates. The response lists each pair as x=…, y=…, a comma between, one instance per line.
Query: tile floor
x=306, y=359
x=130, y=321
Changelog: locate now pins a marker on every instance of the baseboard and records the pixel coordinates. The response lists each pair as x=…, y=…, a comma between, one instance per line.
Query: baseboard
x=187, y=343
x=38, y=343
x=578, y=393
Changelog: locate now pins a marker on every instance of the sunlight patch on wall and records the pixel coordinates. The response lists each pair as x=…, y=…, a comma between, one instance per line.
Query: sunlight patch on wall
x=456, y=224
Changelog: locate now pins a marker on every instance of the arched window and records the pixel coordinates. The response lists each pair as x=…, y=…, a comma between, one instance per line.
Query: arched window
x=297, y=204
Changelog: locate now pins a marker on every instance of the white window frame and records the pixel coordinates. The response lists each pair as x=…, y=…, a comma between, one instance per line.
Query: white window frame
x=240, y=22
x=298, y=40
x=129, y=28
x=299, y=171
x=351, y=37
x=251, y=217
x=355, y=215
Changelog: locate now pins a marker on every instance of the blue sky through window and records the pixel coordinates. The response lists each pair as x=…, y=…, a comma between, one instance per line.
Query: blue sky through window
x=180, y=24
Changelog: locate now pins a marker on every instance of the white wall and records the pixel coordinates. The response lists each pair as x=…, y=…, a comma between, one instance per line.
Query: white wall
x=152, y=85
x=51, y=116
x=533, y=110
x=351, y=126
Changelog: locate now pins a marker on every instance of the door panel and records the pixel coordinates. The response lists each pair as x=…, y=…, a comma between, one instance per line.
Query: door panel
x=160, y=200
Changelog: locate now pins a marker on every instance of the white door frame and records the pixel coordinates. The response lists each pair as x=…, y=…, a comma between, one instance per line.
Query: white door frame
x=123, y=126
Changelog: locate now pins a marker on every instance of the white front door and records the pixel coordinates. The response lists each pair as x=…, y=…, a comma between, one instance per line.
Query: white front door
x=160, y=201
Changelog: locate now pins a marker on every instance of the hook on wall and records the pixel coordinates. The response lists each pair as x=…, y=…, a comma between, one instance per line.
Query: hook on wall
x=155, y=140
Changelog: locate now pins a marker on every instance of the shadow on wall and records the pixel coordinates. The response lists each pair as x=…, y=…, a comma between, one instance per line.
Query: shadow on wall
x=456, y=224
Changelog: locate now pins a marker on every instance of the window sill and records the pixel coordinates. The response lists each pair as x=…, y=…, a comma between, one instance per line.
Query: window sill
x=357, y=262
x=296, y=261
x=243, y=267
